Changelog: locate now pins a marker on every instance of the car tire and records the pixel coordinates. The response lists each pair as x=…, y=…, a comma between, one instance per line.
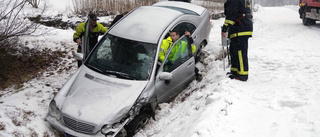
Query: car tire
x=137, y=124
x=198, y=54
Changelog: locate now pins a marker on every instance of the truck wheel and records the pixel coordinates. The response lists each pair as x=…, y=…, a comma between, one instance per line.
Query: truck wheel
x=306, y=21
x=137, y=124
x=312, y=22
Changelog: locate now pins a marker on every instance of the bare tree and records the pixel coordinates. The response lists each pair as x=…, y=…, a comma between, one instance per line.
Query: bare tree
x=13, y=21
x=113, y=6
x=34, y=3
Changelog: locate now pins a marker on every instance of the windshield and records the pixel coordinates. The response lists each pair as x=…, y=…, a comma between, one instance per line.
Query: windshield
x=122, y=58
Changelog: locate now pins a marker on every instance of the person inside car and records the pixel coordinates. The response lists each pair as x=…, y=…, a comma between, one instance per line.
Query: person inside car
x=179, y=51
x=168, y=42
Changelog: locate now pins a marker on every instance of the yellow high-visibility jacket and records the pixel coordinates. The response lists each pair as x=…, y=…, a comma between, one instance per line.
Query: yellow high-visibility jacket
x=180, y=48
x=99, y=29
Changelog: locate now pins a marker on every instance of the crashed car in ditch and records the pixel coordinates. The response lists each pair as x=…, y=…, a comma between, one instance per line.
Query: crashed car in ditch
x=117, y=89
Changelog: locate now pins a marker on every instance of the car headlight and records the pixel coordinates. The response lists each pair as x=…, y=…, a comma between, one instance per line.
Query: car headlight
x=54, y=111
x=110, y=129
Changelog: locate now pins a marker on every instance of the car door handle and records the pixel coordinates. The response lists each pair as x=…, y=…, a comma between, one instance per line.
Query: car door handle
x=190, y=64
x=195, y=37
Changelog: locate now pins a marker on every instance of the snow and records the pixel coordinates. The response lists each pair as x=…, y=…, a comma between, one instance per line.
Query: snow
x=280, y=98
x=59, y=6
x=135, y=27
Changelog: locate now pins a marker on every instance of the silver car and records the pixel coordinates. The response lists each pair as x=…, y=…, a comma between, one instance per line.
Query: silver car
x=121, y=82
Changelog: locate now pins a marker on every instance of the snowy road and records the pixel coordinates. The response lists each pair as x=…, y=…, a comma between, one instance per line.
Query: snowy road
x=280, y=99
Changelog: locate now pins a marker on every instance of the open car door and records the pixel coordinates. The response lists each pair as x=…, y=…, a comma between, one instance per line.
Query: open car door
x=181, y=66
x=85, y=40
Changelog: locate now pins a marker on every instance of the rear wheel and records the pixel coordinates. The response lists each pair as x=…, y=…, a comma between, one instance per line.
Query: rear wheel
x=137, y=124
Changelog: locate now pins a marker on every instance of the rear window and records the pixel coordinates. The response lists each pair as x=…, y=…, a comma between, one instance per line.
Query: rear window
x=185, y=11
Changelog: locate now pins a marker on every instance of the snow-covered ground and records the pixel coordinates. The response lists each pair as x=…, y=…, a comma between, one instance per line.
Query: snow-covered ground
x=280, y=99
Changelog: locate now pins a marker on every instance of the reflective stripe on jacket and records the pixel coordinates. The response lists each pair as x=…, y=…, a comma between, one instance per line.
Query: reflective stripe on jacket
x=238, y=18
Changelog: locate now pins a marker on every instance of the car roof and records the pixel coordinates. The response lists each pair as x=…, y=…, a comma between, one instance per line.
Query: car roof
x=145, y=23
x=182, y=5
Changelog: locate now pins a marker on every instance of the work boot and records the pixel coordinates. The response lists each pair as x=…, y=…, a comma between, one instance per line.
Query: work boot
x=231, y=73
x=242, y=77
x=238, y=77
x=231, y=76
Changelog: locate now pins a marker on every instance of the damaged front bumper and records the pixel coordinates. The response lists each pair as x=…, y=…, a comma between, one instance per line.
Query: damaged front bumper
x=67, y=131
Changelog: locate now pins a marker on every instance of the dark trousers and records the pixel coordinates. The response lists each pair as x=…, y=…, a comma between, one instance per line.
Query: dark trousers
x=239, y=56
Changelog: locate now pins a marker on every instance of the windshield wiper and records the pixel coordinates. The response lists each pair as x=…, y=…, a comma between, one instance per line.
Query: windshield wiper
x=120, y=74
x=94, y=68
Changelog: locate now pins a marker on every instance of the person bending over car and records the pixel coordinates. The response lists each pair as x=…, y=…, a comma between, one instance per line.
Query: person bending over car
x=117, y=18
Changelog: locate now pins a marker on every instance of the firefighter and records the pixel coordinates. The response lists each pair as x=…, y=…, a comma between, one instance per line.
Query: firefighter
x=239, y=25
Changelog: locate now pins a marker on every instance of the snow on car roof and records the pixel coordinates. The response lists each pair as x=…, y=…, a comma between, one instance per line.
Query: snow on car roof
x=145, y=24
x=183, y=5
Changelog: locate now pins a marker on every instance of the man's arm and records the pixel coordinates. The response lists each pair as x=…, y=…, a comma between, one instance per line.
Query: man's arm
x=188, y=35
x=231, y=12
x=190, y=41
x=79, y=32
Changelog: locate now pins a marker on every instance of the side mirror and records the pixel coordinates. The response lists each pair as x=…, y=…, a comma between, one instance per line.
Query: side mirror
x=166, y=76
x=78, y=56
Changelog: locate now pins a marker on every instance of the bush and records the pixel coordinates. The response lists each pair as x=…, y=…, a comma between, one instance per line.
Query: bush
x=21, y=65
x=13, y=23
x=34, y=3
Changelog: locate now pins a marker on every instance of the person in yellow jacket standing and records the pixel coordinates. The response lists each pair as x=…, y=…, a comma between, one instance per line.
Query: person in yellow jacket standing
x=96, y=29
x=239, y=25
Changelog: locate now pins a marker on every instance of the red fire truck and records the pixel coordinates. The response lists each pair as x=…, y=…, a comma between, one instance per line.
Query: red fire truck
x=309, y=11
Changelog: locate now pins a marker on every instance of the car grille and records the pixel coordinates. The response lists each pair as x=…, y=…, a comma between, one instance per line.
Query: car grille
x=78, y=126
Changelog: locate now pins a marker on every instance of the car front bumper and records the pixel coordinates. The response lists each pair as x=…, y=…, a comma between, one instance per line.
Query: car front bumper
x=65, y=130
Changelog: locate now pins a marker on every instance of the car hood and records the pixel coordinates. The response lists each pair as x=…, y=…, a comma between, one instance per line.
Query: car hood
x=96, y=98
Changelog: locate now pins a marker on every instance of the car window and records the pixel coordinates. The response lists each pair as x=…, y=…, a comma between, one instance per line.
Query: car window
x=179, y=54
x=185, y=11
x=190, y=27
x=185, y=26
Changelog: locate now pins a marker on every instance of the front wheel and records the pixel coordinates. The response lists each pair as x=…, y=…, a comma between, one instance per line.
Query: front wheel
x=199, y=56
x=306, y=21
x=137, y=124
